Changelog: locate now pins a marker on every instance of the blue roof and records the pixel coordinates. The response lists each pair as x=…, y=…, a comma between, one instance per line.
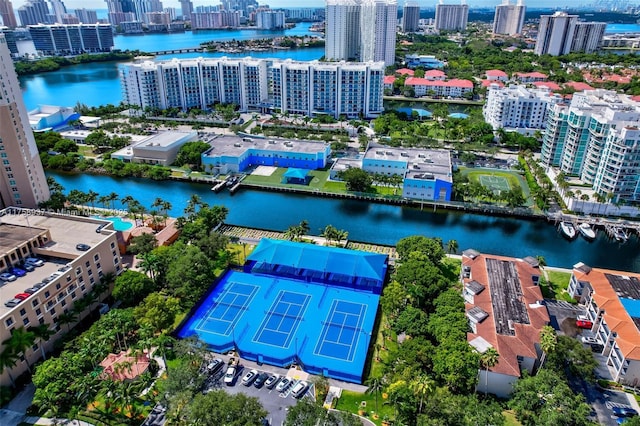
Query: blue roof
x=296, y=173
x=331, y=260
x=409, y=111
x=632, y=306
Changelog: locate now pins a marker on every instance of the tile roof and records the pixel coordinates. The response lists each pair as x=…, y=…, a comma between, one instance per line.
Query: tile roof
x=415, y=81
x=548, y=84
x=534, y=74
x=526, y=334
x=434, y=73
x=487, y=83
x=496, y=73
x=578, y=86
x=405, y=71
x=389, y=79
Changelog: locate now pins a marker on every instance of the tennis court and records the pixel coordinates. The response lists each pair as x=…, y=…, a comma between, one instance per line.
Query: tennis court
x=282, y=319
x=224, y=314
x=494, y=183
x=341, y=330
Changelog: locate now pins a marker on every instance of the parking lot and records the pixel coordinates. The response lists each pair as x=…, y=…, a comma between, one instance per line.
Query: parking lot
x=274, y=402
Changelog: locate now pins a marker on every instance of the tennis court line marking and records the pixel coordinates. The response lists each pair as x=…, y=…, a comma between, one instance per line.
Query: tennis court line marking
x=356, y=334
x=272, y=312
x=201, y=325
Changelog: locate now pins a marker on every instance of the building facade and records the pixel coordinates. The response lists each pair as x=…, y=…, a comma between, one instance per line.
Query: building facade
x=410, y=17
x=7, y=15
x=72, y=39
x=437, y=87
x=34, y=12
x=588, y=36
x=86, y=16
x=560, y=34
x=66, y=276
x=612, y=299
x=214, y=19
x=270, y=19
x=308, y=88
x=509, y=18
x=451, y=17
x=22, y=179
x=596, y=138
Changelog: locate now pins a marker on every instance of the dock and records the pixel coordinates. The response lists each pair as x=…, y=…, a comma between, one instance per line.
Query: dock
x=617, y=229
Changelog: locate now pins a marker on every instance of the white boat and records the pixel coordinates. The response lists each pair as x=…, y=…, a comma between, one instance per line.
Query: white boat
x=619, y=234
x=568, y=230
x=587, y=231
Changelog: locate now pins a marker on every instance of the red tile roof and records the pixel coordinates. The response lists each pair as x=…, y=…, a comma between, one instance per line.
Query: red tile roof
x=405, y=71
x=496, y=73
x=389, y=79
x=548, y=84
x=487, y=83
x=415, y=81
x=434, y=73
x=534, y=74
x=578, y=86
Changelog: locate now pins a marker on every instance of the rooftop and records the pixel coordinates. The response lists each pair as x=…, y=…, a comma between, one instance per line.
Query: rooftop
x=235, y=146
x=163, y=140
x=420, y=162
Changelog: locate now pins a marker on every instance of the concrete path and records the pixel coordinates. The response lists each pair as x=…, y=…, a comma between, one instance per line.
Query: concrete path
x=13, y=413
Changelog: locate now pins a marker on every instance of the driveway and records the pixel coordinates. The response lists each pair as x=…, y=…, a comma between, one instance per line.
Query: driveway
x=563, y=315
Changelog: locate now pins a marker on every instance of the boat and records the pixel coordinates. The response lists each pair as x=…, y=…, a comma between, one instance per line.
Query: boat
x=568, y=230
x=619, y=234
x=587, y=231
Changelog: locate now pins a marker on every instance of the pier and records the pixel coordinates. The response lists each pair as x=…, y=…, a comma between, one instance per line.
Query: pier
x=614, y=228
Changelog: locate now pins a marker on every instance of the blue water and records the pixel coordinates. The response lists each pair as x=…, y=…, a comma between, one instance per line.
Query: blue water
x=118, y=223
x=622, y=28
x=376, y=223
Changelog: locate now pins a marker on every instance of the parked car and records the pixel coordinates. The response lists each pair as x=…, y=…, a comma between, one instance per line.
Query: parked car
x=17, y=271
x=30, y=290
x=299, y=389
x=584, y=322
x=27, y=267
x=82, y=247
x=22, y=296
x=284, y=384
x=5, y=276
x=248, y=378
x=34, y=261
x=12, y=303
x=39, y=285
x=589, y=340
x=215, y=365
x=262, y=377
x=271, y=381
x=230, y=375
x=624, y=411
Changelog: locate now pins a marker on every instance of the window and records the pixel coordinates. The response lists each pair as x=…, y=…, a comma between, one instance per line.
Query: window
x=38, y=312
x=25, y=321
x=9, y=322
x=35, y=302
x=23, y=312
x=58, y=285
x=47, y=294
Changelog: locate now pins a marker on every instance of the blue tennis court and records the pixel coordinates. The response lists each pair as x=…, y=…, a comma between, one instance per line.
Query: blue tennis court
x=341, y=330
x=227, y=309
x=282, y=319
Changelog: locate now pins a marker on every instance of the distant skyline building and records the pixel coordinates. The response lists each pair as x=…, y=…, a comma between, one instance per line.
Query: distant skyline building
x=555, y=34
x=7, y=14
x=451, y=17
x=34, y=12
x=363, y=30
x=270, y=19
x=410, y=17
x=509, y=18
x=186, y=6
x=86, y=16
x=215, y=19
x=588, y=36
x=120, y=11
x=245, y=7
x=58, y=11
x=61, y=39
x=22, y=179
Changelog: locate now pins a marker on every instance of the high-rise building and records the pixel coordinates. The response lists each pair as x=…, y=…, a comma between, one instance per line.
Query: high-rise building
x=213, y=20
x=10, y=38
x=86, y=16
x=121, y=11
x=58, y=11
x=361, y=30
x=187, y=9
x=269, y=19
x=378, y=23
x=245, y=7
x=451, y=17
x=588, y=36
x=555, y=34
x=34, y=12
x=72, y=39
x=596, y=137
x=353, y=89
x=142, y=7
x=410, y=17
x=22, y=179
x=509, y=18
x=7, y=14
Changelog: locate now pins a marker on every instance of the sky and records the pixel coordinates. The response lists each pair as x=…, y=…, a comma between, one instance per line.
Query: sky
x=100, y=4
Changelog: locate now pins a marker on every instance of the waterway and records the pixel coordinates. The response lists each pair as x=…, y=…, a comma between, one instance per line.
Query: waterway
x=622, y=28
x=375, y=223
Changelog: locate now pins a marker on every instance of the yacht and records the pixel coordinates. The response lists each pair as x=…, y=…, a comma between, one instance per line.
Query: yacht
x=587, y=231
x=620, y=234
x=568, y=230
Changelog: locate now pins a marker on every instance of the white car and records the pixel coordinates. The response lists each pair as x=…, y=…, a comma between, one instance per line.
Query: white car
x=230, y=375
x=589, y=340
x=248, y=378
x=34, y=261
x=299, y=389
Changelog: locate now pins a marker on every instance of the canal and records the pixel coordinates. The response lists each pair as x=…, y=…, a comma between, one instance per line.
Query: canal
x=375, y=223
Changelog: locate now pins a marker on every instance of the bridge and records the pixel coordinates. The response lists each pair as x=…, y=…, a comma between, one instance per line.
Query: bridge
x=174, y=51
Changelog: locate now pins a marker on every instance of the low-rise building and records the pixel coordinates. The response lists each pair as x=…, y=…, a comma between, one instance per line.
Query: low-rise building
x=161, y=149
x=232, y=154
x=612, y=299
x=497, y=75
x=47, y=117
x=530, y=77
x=70, y=271
x=424, y=61
x=502, y=302
x=454, y=88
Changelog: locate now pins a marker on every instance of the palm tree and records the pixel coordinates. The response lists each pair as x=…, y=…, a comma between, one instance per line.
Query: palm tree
x=452, y=246
x=126, y=200
x=42, y=332
x=548, y=342
x=104, y=200
x=375, y=384
x=67, y=318
x=488, y=359
x=112, y=197
x=422, y=386
x=20, y=341
x=92, y=196
x=8, y=359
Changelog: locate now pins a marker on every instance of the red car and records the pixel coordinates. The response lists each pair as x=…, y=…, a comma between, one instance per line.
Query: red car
x=22, y=296
x=584, y=322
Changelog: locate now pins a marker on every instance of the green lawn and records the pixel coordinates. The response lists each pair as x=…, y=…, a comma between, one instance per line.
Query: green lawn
x=514, y=179
x=353, y=401
x=510, y=418
x=556, y=288
x=319, y=181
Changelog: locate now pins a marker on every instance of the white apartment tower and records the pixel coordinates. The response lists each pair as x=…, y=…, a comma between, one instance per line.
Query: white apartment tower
x=410, y=17
x=555, y=34
x=22, y=179
x=509, y=18
x=451, y=17
x=596, y=138
x=363, y=30
x=587, y=37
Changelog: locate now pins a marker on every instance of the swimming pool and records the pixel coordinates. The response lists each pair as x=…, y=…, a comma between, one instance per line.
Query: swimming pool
x=118, y=223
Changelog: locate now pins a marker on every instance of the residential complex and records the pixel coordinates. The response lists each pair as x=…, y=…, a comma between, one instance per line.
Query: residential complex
x=410, y=17
x=518, y=108
x=61, y=39
x=205, y=20
x=596, y=138
x=270, y=19
x=363, y=30
x=612, y=299
x=437, y=87
x=426, y=173
x=451, y=17
x=7, y=16
x=560, y=34
x=34, y=12
x=22, y=179
x=309, y=88
x=67, y=275
x=502, y=302
x=232, y=154
x=509, y=18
